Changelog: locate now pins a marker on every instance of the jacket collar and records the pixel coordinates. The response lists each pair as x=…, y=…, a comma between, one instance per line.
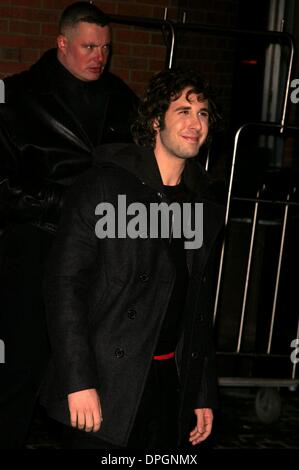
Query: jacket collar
x=142, y=163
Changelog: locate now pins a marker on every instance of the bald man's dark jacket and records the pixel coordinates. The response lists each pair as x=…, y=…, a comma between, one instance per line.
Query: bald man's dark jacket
x=49, y=126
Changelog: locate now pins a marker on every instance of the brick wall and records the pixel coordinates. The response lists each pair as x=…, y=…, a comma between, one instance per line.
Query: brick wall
x=213, y=55
x=29, y=27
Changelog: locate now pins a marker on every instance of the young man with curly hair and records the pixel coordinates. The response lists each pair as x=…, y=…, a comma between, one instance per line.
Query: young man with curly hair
x=130, y=314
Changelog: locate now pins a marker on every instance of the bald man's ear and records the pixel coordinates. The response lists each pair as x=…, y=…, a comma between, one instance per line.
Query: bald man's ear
x=61, y=43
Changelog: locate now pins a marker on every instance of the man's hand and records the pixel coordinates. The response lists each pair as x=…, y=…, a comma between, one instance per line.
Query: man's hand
x=203, y=427
x=85, y=410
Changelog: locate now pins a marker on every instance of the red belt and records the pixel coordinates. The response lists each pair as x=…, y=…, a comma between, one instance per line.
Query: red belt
x=164, y=356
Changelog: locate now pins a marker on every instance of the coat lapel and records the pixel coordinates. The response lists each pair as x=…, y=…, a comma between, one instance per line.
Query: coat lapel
x=53, y=110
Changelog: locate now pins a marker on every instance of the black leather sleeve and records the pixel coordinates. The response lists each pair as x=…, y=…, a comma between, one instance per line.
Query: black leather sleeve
x=18, y=206
x=20, y=201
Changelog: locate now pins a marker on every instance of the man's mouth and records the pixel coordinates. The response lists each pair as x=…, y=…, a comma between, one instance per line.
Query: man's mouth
x=191, y=139
x=97, y=69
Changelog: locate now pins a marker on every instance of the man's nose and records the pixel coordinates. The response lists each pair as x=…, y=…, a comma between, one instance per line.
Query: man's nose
x=195, y=121
x=99, y=54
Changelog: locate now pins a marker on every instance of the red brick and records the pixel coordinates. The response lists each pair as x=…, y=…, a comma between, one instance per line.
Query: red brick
x=122, y=49
x=155, y=3
x=28, y=3
x=56, y=4
x=129, y=62
x=10, y=41
x=132, y=36
x=24, y=27
x=5, y=11
x=49, y=29
x=10, y=53
x=10, y=68
x=3, y=26
x=150, y=2
x=141, y=76
x=29, y=55
x=131, y=9
x=159, y=52
x=157, y=38
x=159, y=12
x=32, y=14
x=156, y=65
x=117, y=27
x=44, y=43
x=139, y=88
x=134, y=48
x=123, y=73
x=27, y=41
x=108, y=7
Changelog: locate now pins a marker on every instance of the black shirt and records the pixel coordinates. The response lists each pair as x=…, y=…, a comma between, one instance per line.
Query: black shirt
x=86, y=99
x=170, y=331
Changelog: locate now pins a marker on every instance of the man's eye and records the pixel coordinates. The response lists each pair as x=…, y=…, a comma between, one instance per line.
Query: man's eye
x=204, y=114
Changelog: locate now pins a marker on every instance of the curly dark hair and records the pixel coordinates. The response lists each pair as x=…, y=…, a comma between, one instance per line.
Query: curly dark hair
x=163, y=88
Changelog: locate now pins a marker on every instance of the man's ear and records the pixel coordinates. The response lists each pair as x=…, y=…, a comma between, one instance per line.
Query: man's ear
x=156, y=124
x=61, y=43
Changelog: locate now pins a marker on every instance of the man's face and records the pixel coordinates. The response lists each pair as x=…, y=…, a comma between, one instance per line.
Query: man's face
x=84, y=50
x=186, y=127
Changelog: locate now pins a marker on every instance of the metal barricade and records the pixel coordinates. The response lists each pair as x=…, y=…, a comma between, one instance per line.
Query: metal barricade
x=268, y=394
x=249, y=357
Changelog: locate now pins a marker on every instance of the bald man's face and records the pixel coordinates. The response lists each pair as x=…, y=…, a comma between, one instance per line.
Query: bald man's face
x=84, y=50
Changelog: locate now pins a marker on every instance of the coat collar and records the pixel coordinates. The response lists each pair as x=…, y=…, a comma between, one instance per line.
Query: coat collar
x=48, y=75
x=45, y=84
x=142, y=163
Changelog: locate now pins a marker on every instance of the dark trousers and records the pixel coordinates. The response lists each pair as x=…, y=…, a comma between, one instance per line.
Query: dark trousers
x=23, y=253
x=156, y=423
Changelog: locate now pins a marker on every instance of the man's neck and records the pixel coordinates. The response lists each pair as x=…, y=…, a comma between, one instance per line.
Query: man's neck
x=170, y=169
x=63, y=64
x=60, y=58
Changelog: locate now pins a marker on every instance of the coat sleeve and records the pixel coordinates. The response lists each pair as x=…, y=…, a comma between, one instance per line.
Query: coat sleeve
x=21, y=200
x=69, y=273
x=207, y=396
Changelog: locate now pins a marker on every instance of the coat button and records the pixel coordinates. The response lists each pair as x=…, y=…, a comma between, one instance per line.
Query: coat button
x=143, y=277
x=204, y=280
x=132, y=313
x=194, y=355
x=119, y=353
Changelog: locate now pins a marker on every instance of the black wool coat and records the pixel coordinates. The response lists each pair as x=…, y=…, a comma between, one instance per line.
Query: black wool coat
x=44, y=146
x=94, y=284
